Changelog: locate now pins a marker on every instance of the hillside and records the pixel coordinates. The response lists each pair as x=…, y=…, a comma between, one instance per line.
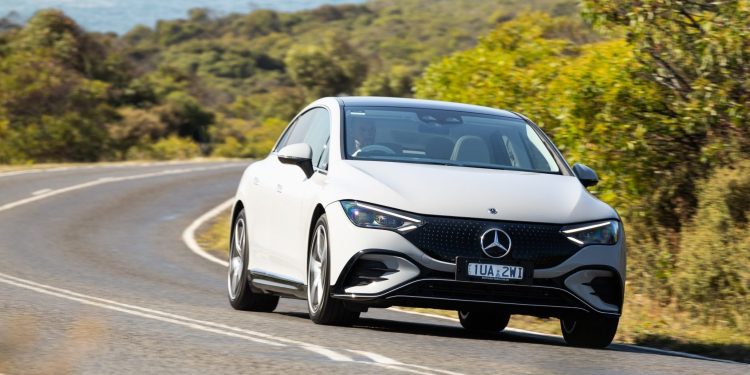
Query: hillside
x=229, y=83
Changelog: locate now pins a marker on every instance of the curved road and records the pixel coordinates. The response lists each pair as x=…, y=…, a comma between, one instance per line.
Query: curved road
x=94, y=278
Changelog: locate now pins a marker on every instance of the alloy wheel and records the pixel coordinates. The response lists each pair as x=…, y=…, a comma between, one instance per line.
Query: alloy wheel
x=236, y=261
x=317, y=270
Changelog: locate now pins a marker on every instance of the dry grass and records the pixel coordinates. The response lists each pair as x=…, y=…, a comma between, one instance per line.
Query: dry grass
x=646, y=322
x=213, y=236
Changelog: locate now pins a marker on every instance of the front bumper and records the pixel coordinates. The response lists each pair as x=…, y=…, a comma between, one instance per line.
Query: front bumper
x=582, y=291
x=381, y=268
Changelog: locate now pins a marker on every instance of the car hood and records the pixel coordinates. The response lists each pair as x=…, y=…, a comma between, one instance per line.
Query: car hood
x=467, y=192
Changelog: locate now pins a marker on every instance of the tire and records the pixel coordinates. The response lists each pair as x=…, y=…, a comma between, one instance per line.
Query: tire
x=241, y=295
x=484, y=321
x=322, y=308
x=589, y=332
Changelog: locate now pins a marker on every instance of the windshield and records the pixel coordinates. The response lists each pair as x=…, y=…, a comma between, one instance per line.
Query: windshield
x=431, y=136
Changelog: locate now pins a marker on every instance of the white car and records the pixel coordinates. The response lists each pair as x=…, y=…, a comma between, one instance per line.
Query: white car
x=377, y=202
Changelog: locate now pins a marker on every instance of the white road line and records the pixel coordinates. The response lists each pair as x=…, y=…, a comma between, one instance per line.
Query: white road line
x=162, y=316
x=65, y=293
x=390, y=361
x=396, y=309
x=376, y=357
x=188, y=235
x=399, y=368
x=138, y=313
x=106, y=180
x=40, y=170
x=335, y=356
x=212, y=327
x=42, y=191
x=518, y=330
x=681, y=354
x=509, y=329
x=107, y=165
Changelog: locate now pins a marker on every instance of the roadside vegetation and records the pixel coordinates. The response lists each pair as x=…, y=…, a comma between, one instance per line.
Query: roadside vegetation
x=209, y=85
x=214, y=235
x=653, y=94
x=660, y=108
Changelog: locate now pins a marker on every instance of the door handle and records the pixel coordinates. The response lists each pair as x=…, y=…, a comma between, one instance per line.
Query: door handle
x=278, y=188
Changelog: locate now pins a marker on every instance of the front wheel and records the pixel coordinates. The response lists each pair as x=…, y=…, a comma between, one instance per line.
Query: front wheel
x=322, y=308
x=484, y=321
x=589, y=332
x=241, y=295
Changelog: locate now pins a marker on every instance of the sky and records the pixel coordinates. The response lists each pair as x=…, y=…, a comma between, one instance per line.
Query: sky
x=121, y=15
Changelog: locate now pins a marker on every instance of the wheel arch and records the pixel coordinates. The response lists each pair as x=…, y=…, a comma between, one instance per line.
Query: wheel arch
x=317, y=213
x=238, y=206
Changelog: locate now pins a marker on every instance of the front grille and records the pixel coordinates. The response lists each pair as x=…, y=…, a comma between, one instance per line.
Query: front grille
x=447, y=238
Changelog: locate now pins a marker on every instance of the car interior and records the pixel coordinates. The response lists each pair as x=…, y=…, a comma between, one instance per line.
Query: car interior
x=466, y=140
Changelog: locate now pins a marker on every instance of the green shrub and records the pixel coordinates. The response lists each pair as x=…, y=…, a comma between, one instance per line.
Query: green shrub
x=712, y=275
x=651, y=260
x=230, y=148
x=135, y=126
x=244, y=139
x=172, y=147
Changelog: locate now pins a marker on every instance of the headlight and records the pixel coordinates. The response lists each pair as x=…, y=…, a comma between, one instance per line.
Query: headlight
x=604, y=233
x=371, y=216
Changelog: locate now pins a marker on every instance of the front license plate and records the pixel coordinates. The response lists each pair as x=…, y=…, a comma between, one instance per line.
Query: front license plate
x=481, y=269
x=495, y=271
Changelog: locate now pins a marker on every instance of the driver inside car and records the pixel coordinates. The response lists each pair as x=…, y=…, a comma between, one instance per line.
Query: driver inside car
x=363, y=131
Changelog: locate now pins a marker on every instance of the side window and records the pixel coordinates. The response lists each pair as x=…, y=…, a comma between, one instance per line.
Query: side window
x=285, y=137
x=313, y=128
x=297, y=131
x=319, y=130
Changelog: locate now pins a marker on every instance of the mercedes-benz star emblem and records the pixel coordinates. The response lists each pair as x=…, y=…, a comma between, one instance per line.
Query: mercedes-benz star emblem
x=495, y=243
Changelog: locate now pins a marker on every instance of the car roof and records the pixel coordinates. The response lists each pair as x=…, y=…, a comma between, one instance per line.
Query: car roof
x=375, y=101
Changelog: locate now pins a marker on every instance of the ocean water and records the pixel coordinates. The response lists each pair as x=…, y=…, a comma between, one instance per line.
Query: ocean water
x=121, y=15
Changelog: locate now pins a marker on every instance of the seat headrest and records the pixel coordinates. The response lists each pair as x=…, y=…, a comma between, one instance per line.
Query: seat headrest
x=472, y=149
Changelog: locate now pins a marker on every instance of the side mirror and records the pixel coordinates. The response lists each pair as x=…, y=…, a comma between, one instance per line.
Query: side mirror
x=299, y=154
x=586, y=175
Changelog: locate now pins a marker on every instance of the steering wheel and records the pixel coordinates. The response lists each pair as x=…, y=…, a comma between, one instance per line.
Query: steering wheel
x=374, y=150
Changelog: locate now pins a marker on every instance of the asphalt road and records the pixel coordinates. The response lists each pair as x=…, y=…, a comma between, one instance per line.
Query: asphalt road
x=94, y=278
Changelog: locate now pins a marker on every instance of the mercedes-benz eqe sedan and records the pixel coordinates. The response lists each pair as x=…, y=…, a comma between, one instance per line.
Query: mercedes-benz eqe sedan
x=375, y=202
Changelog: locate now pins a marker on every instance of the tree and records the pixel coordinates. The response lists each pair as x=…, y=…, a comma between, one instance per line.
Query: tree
x=509, y=68
x=54, y=106
x=721, y=291
x=583, y=96
x=135, y=126
x=396, y=81
x=698, y=53
x=184, y=116
x=328, y=69
x=257, y=23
